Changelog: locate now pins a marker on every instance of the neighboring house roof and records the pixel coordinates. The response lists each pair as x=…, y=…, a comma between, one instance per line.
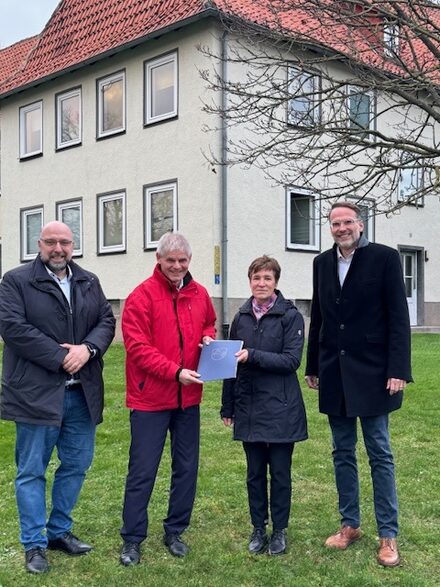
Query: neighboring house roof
x=14, y=57
x=83, y=31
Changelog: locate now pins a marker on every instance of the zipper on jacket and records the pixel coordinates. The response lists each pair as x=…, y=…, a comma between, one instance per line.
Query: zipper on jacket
x=179, y=389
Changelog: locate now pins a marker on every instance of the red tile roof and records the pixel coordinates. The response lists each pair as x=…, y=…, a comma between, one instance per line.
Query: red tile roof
x=82, y=31
x=14, y=57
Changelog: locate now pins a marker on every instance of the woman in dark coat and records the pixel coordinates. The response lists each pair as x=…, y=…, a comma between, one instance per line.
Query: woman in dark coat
x=264, y=402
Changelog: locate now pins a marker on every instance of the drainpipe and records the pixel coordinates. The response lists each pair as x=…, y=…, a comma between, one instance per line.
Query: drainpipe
x=224, y=192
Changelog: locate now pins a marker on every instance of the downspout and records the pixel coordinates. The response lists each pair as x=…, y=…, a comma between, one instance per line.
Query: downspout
x=224, y=191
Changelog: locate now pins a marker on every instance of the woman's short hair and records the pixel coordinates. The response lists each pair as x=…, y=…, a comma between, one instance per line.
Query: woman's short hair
x=173, y=241
x=265, y=263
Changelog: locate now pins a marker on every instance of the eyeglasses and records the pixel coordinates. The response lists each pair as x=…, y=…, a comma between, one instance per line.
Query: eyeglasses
x=338, y=223
x=51, y=242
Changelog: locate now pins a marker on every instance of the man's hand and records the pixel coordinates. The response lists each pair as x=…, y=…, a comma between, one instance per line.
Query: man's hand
x=205, y=340
x=312, y=381
x=76, y=358
x=186, y=376
x=395, y=385
x=227, y=421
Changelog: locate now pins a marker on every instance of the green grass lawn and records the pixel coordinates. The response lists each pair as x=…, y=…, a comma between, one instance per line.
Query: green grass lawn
x=220, y=525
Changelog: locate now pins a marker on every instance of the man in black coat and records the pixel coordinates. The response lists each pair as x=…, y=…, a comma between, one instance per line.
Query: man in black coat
x=56, y=325
x=359, y=359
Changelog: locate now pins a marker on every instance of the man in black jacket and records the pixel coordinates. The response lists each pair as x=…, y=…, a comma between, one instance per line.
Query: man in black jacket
x=56, y=325
x=359, y=358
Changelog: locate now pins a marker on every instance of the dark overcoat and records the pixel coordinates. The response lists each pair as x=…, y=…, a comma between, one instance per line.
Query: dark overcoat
x=360, y=333
x=35, y=318
x=265, y=399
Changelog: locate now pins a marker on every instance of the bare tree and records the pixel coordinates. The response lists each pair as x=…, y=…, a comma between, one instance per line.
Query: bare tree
x=341, y=97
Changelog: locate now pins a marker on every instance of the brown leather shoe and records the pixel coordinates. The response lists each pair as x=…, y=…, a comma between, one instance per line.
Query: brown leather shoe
x=388, y=555
x=342, y=539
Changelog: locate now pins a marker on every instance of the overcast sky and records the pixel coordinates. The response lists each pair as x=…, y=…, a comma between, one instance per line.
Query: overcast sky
x=20, y=19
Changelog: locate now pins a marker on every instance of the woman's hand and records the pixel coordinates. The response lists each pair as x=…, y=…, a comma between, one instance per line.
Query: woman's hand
x=242, y=356
x=227, y=421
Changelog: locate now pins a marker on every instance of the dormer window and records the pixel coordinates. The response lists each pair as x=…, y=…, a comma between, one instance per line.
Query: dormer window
x=390, y=38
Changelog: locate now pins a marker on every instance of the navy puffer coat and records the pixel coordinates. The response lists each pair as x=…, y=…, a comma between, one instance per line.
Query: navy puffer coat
x=35, y=319
x=265, y=399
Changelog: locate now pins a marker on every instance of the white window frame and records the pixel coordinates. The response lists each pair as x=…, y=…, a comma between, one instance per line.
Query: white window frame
x=100, y=85
x=68, y=205
x=304, y=77
x=24, y=110
x=406, y=197
x=351, y=90
x=122, y=246
x=314, y=220
x=149, y=66
x=27, y=255
x=60, y=98
x=370, y=205
x=150, y=190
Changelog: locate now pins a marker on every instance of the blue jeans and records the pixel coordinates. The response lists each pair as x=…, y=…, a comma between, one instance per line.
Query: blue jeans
x=377, y=444
x=75, y=441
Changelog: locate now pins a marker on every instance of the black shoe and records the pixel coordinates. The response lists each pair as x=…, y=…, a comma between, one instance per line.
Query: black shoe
x=258, y=541
x=36, y=561
x=278, y=542
x=70, y=544
x=175, y=545
x=130, y=554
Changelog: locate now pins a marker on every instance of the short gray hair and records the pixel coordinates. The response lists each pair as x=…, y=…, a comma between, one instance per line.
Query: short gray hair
x=173, y=241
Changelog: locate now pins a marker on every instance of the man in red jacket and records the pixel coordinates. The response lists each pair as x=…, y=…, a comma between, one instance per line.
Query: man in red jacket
x=165, y=319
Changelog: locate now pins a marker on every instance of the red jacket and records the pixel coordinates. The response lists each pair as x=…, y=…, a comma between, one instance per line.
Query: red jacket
x=162, y=328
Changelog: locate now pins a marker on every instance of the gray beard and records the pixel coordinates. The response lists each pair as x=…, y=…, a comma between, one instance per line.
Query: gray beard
x=57, y=267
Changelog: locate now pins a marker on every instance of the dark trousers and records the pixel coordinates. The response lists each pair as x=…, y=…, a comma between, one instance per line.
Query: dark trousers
x=278, y=458
x=148, y=434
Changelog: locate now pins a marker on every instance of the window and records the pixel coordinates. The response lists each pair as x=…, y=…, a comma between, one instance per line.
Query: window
x=302, y=220
x=111, y=104
x=111, y=223
x=160, y=210
x=361, y=109
x=71, y=214
x=160, y=88
x=367, y=208
x=31, y=130
x=391, y=38
x=303, y=107
x=31, y=223
x=410, y=182
x=69, y=123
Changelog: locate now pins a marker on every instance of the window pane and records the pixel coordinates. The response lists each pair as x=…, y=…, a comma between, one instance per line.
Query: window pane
x=364, y=216
x=112, y=105
x=409, y=182
x=32, y=131
x=360, y=111
x=300, y=220
x=33, y=229
x=161, y=213
x=70, y=119
x=72, y=217
x=112, y=222
x=162, y=89
x=301, y=106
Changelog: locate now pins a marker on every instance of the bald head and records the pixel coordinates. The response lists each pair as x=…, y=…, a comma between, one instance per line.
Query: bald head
x=56, y=246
